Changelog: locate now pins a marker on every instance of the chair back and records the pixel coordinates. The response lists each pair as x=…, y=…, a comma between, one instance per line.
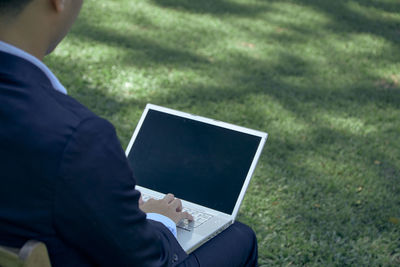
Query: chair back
x=32, y=254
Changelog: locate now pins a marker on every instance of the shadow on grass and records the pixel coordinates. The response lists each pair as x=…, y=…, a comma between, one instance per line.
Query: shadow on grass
x=140, y=50
x=347, y=20
x=259, y=75
x=215, y=7
x=236, y=81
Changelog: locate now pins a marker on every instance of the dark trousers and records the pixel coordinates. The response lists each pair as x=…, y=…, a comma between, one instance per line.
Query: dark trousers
x=235, y=246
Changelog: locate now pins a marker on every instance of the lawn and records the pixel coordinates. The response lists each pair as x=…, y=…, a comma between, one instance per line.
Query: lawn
x=321, y=77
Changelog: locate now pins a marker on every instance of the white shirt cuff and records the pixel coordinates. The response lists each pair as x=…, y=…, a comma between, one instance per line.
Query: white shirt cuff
x=164, y=220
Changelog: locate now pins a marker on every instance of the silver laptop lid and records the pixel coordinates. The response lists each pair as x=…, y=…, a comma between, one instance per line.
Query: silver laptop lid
x=200, y=160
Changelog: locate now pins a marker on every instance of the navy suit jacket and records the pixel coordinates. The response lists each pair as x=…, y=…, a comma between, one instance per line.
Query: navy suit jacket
x=65, y=180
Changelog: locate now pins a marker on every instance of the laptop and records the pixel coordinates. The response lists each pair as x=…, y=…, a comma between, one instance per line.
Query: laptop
x=206, y=163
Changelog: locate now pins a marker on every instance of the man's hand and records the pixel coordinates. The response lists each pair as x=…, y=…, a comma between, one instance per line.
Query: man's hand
x=168, y=206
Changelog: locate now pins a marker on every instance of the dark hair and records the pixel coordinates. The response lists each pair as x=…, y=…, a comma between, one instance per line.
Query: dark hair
x=13, y=6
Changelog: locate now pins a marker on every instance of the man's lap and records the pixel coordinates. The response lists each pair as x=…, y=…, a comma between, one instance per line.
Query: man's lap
x=235, y=246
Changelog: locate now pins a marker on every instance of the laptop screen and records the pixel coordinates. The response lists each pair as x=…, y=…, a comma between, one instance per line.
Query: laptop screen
x=196, y=161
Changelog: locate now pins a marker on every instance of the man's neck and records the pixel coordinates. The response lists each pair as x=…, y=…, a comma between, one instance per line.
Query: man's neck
x=16, y=33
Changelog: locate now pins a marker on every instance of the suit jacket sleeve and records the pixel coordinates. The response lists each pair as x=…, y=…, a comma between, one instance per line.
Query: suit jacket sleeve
x=96, y=206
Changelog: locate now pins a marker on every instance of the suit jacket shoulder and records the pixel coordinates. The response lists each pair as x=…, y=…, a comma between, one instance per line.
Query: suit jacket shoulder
x=67, y=181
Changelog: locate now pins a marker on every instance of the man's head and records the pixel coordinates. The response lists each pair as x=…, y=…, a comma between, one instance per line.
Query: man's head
x=37, y=26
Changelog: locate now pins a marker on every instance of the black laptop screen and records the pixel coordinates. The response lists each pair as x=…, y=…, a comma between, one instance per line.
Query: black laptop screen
x=196, y=161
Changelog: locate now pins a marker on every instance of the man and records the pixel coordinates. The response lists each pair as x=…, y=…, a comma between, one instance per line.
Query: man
x=64, y=178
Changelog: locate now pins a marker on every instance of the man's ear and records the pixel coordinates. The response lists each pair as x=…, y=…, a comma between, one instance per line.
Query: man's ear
x=58, y=5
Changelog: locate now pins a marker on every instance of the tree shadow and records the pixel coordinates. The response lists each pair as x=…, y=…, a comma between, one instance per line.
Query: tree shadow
x=214, y=7
x=139, y=50
x=345, y=20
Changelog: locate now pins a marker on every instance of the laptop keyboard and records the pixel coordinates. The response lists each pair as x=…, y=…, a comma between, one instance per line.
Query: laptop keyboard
x=199, y=217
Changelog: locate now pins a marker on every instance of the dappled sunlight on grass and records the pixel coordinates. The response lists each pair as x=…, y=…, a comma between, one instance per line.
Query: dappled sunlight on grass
x=348, y=124
x=321, y=77
x=369, y=11
x=296, y=16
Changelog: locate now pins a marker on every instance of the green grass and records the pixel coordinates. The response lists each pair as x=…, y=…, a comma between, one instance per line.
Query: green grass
x=321, y=77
